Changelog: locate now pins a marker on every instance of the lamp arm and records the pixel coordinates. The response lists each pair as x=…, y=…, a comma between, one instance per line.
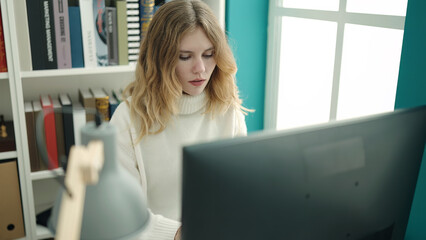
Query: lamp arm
x=84, y=165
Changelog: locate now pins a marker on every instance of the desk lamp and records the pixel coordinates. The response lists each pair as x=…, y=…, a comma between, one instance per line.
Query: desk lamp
x=114, y=208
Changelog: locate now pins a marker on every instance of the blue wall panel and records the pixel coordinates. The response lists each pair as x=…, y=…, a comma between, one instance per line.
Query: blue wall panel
x=411, y=92
x=246, y=24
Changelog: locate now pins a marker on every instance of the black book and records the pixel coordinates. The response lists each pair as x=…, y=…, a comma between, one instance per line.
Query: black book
x=42, y=34
x=68, y=122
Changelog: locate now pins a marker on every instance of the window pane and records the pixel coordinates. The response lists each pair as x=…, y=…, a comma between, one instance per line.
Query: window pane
x=369, y=74
x=384, y=7
x=306, y=71
x=330, y=5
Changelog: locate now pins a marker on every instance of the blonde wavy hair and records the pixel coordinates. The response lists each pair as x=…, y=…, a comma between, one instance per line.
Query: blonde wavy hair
x=156, y=91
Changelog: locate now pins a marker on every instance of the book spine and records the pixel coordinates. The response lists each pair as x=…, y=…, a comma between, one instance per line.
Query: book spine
x=63, y=45
x=100, y=32
x=89, y=103
x=49, y=28
x=32, y=148
x=118, y=95
x=113, y=104
x=133, y=29
x=146, y=11
x=37, y=111
x=88, y=33
x=50, y=131
x=3, y=61
x=77, y=58
x=37, y=35
x=79, y=120
x=112, y=38
x=123, y=55
x=102, y=105
x=67, y=120
x=59, y=129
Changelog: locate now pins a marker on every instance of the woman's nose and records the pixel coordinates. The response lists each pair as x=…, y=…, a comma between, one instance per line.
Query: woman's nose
x=199, y=66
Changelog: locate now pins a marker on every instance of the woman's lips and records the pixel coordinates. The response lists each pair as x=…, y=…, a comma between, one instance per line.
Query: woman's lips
x=197, y=82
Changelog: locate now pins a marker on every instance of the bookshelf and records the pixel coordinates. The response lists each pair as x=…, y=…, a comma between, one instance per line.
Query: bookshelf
x=19, y=84
x=8, y=155
x=39, y=189
x=4, y=76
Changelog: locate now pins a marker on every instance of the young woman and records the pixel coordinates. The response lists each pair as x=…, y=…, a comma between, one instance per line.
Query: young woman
x=184, y=93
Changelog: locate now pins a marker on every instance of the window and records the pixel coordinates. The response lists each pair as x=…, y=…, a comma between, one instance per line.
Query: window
x=331, y=59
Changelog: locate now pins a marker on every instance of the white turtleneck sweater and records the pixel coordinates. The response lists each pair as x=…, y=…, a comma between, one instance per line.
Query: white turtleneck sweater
x=156, y=161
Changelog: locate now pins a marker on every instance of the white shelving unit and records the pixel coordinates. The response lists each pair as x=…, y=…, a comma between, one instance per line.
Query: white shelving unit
x=8, y=155
x=19, y=85
x=4, y=76
x=46, y=174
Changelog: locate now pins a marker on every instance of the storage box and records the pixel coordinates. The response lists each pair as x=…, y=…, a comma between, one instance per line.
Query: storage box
x=11, y=220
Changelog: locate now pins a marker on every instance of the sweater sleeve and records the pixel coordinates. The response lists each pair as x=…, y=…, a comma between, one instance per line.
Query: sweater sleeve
x=159, y=227
x=125, y=150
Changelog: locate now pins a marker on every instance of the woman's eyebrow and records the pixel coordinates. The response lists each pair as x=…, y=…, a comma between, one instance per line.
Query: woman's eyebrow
x=187, y=51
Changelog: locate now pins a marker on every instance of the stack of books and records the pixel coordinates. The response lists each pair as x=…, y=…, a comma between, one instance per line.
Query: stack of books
x=63, y=120
x=85, y=33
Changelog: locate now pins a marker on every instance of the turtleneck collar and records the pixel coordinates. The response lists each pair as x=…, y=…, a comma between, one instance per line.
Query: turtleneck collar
x=190, y=104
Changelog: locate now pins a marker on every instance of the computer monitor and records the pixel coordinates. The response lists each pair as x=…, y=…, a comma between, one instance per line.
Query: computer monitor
x=349, y=179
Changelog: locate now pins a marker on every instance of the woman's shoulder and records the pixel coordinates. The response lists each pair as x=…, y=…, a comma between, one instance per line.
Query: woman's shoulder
x=121, y=113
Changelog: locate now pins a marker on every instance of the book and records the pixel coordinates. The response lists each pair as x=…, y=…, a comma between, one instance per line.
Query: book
x=112, y=35
x=62, y=33
x=112, y=103
x=133, y=30
x=60, y=143
x=76, y=41
x=99, y=21
x=79, y=120
x=88, y=33
x=67, y=121
x=123, y=55
x=31, y=137
x=37, y=111
x=3, y=61
x=118, y=94
x=158, y=4
x=146, y=12
x=102, y=102
x=50, y=131
x=42, y=34
x=23, y=35
x=88, y=101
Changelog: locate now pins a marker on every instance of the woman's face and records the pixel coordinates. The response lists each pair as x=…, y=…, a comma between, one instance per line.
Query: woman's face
x=196, y=62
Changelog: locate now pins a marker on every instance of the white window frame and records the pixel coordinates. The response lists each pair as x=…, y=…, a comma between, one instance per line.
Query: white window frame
x=341, y=17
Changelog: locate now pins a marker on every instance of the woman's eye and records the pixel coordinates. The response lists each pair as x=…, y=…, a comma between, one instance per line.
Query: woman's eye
x=208, y=55
x=184, y=58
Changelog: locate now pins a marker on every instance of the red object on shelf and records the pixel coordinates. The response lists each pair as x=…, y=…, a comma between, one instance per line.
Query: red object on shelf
x=50, y=130
x=3, y=62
